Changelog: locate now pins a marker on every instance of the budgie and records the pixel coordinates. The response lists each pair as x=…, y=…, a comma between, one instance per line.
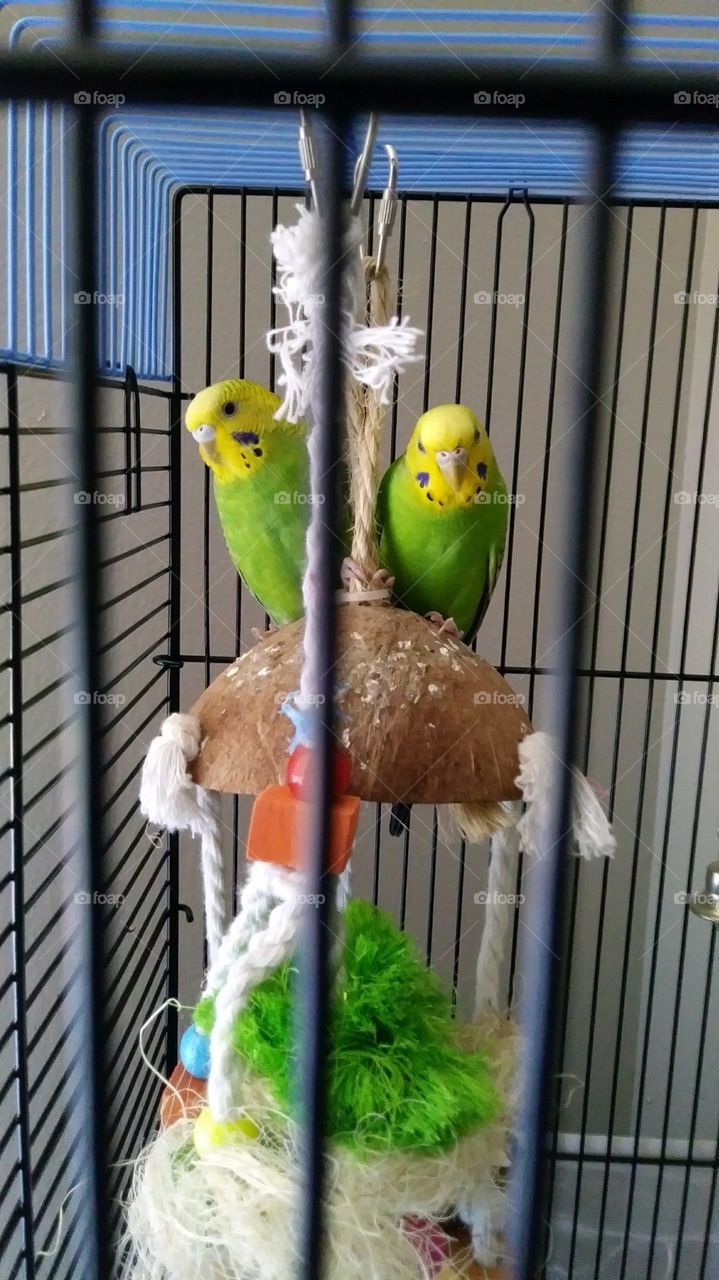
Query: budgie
x=442, y=513
x=260, y=472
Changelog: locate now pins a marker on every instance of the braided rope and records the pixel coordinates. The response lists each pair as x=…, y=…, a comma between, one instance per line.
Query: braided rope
x=500, y=887
x=260, y=893
x=365, y=414
x=266, y=950
x=170, y=799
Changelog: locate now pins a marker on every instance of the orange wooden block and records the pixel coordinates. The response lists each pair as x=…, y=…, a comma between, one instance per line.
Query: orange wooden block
x=183, y=1096
x=279, y=826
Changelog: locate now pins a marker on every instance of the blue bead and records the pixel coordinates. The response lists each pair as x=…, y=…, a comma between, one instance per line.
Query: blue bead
x=195, y=1053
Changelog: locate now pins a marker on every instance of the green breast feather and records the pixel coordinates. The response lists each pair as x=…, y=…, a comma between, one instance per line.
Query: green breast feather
x=264, y=521
x=445, y=562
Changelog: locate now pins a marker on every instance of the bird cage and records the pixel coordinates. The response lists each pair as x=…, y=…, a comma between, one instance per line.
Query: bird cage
x=556, y=242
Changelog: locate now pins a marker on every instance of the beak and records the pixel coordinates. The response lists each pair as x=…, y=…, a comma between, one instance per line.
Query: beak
x=453, y=464
x=204, y=434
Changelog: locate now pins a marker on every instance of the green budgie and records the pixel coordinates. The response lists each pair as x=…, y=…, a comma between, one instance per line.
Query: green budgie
x=443, y=519
x=442, y=514
x=260, y=471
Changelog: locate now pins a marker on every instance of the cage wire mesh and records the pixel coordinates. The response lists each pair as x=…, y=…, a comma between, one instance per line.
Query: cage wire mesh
x=633, y=1129
x=493, y=279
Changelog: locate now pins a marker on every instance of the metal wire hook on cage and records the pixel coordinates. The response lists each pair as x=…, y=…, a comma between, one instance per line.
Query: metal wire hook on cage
x=308, y=160
x=387, y=209
x=362, y=165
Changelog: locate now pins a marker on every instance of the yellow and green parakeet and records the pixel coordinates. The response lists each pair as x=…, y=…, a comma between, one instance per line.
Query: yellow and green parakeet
x=260, y=472
x=442, y=513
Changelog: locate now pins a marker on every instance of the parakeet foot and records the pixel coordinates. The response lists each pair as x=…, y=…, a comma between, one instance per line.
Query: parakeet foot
x=351, y=573
x=260, y=635
x=445, y=626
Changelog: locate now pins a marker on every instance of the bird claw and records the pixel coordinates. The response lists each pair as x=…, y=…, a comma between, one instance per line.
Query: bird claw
x=352, y=574
x=445, y=626
x=262, y=635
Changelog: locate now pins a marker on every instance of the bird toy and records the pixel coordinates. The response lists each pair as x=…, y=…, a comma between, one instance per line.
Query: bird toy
x=419, y=1102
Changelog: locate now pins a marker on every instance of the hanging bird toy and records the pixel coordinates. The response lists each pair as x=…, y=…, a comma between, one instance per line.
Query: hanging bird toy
x=419, y=1102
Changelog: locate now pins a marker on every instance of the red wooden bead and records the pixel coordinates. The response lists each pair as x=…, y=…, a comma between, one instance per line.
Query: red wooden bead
x=299, y=768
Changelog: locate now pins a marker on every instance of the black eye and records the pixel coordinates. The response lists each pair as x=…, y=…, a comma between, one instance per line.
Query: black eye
x=229, y=409
x=421, y=447
x=476, y=434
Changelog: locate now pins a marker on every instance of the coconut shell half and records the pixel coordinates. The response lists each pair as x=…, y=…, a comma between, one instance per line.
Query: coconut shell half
x=425, y=720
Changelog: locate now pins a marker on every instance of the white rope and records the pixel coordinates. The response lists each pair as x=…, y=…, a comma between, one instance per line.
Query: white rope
x=537, y=779
x=266, y=950
x=170, y=799
x=262, y=889
x=501, y=889
x=371, y=356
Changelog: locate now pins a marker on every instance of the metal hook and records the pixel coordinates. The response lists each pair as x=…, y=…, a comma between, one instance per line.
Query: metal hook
x=307, y=157
x=362, y=165
x=387, y=209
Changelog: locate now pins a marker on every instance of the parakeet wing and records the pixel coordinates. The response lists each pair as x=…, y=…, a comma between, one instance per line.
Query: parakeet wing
x=495, y=556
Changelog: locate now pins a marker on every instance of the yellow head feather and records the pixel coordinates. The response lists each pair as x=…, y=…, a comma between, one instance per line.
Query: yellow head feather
x=233, y=423
x=448, y=457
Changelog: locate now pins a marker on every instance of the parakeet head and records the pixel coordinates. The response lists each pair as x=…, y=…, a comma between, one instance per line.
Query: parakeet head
x=234, y=425
x=449, y=457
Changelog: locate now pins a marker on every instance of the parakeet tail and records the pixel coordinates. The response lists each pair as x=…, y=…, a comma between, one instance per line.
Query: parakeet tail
x=399, y=819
